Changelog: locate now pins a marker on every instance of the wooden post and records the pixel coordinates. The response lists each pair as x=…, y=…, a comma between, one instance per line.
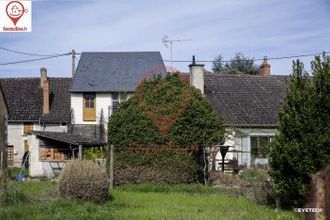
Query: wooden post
x=111, y=166
x=80, y=152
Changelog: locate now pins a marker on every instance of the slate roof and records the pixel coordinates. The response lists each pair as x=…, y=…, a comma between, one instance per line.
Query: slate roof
x=69, y=138
x=245, y=100
x=115, y=71
x=24, y=99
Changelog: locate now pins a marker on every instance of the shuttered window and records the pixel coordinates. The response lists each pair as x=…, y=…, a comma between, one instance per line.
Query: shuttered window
x=28, y=128
x=10, y=155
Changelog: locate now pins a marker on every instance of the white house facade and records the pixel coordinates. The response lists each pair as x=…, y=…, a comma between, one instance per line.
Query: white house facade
x=105, y=79
x=34, y=104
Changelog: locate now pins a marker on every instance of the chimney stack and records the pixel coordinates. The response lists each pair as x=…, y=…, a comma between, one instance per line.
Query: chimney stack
x=265, y=67
x=197, y=75
x=44, y=83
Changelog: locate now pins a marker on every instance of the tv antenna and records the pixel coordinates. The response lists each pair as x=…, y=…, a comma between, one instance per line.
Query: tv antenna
x=169, y=44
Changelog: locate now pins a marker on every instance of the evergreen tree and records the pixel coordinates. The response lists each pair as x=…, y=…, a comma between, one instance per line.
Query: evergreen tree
x=149, y=121
x=239, y=63
x=302, y=146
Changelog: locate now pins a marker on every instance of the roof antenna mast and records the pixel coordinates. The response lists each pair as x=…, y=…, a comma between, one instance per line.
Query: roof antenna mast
x=169, y=44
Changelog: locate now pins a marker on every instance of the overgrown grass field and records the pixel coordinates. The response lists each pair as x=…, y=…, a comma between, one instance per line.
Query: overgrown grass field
x=40, y=200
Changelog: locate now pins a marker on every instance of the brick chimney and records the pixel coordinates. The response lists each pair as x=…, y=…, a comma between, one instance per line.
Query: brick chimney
x=265, y=67
x=197, y=75
x=44, y=83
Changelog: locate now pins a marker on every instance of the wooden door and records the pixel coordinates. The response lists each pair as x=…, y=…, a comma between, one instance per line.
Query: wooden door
x=89, y=107
x=10, y=155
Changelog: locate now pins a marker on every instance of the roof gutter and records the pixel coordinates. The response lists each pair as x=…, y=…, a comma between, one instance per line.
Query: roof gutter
x=22, y=121
x=252, y=125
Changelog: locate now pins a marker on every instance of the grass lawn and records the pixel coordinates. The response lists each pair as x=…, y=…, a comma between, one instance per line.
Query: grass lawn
x=39, y=200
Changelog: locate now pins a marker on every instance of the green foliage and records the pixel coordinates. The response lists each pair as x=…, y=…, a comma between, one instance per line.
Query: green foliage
x=14, y=171
x=197, y=122
x=155, y=167
x=130, y=125
x=302, y=147
x=163, y=96
x=166, y=114
x=239, y=63
x=181, y=202
x=93, y=153
x=165, y=188
x=12, y=195
x=254, y=175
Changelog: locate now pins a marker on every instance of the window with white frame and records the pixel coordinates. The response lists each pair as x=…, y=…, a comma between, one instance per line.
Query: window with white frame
x=117, y=98
x=259, y=147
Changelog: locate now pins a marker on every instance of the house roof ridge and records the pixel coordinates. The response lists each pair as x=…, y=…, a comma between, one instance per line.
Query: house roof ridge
x=35, y=77
x=32, y=77
x=237, y=75
x=120, y=51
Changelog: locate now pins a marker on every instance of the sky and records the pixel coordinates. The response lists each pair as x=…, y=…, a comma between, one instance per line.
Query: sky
x=257, y=28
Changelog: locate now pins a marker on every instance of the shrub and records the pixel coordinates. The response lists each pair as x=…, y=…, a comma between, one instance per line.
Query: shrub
x=263, y=193
x=155, y=167
x=254, y=175
x=12, y=195
x=93, y=153
x=166, y=112
x=227, y=180
x=84, y=180
x=302, y=146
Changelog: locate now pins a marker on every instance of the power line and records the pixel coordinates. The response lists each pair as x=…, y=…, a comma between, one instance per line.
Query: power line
x=50, y=56
x=258, y=59
x=25, y=53
x=31, y=60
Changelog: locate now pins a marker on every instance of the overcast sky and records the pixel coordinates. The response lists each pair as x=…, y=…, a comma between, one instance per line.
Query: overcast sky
x=255, y=27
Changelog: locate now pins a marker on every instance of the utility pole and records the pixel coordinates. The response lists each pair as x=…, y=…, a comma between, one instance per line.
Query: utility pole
x=73, y=63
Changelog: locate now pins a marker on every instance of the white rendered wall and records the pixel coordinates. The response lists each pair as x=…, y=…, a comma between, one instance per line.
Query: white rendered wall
x=17, y=138
x=240, y=138
x=103, y=102
x=51, y=128
x=37, y=167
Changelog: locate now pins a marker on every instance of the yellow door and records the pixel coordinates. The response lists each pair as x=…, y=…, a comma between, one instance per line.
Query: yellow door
x=89, y=107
